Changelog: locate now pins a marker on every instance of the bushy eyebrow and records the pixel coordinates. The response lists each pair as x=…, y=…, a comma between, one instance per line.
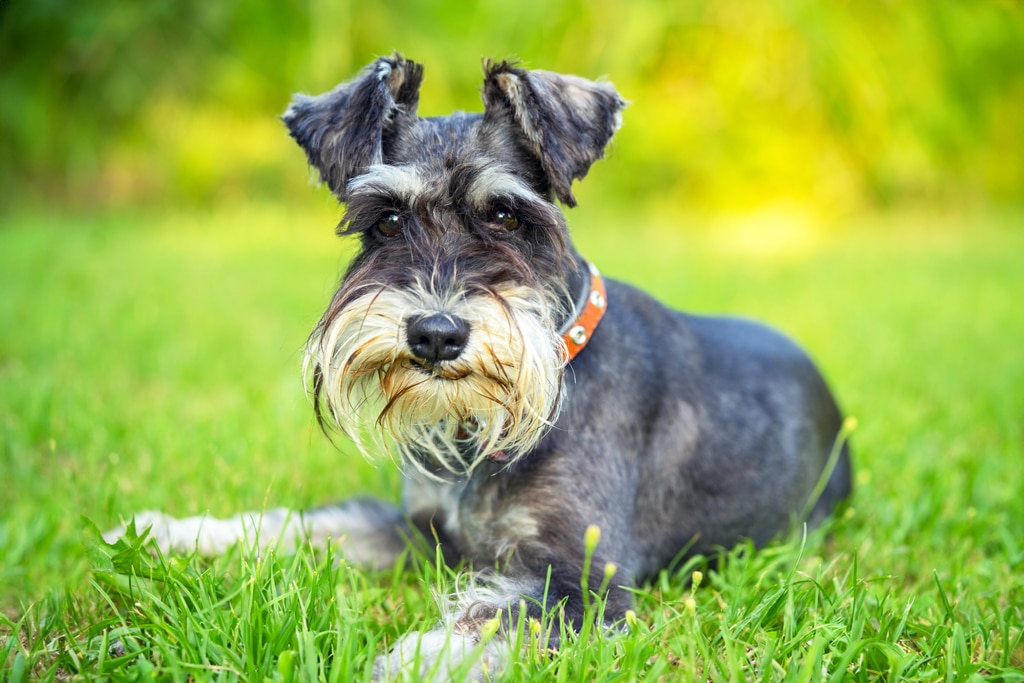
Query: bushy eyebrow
x=491, y=183
x=403, y=183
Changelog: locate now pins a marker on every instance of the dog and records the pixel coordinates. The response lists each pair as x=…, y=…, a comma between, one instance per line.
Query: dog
x=525, y=397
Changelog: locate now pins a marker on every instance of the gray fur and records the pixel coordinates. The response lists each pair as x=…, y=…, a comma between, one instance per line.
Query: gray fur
x=677, y=434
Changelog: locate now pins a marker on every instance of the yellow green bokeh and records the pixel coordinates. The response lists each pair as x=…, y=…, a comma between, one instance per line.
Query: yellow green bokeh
x=737, y=105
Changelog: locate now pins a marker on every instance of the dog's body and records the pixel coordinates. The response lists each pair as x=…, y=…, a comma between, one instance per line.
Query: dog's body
x=527, y=398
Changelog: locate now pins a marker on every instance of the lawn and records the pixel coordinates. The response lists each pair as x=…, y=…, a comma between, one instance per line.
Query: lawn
x=152, y=361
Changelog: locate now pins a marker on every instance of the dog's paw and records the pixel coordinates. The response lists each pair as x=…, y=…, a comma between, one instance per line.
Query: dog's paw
x=441, y=655
x=148, y=519
x=206, y=535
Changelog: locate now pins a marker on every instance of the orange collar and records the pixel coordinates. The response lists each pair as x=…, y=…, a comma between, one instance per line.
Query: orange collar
x=590, y=311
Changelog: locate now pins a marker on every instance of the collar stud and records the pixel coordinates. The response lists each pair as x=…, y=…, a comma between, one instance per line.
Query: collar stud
x=592, y=309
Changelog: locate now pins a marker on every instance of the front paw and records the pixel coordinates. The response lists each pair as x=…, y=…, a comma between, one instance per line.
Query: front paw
x=202, y=534
x=158, y=524
x=441, y=655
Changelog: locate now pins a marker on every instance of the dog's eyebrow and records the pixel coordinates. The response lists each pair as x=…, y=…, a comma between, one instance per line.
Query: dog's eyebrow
x=402, y=182
x=492, y=182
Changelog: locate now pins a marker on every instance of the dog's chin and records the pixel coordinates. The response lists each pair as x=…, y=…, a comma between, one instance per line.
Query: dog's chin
x=447, y=371
x=442, y=421
x=446, y=415
x=455, y=460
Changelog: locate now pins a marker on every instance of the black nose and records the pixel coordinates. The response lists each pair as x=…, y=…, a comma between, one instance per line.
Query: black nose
x=438, y=337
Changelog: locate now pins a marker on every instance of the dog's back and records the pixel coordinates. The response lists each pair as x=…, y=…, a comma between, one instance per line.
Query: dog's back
x=730, y=423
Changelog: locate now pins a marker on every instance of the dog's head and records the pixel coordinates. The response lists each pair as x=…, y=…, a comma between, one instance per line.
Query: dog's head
x=443, y=342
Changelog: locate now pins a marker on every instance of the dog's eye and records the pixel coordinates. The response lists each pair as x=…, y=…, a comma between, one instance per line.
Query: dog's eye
x=505, y=220
x=390, y=224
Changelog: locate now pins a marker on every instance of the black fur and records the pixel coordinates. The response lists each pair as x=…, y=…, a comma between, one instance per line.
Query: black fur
x=565, y=122
x=343, y=131
x=677, y=434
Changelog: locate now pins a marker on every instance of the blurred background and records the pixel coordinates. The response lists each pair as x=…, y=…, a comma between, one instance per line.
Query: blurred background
x=831, y=107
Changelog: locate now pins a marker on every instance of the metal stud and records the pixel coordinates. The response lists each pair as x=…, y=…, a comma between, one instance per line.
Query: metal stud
x=578, y=335
x=596, y=299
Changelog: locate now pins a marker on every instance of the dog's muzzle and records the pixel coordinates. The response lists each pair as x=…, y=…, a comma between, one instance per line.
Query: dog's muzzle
x=443, y=381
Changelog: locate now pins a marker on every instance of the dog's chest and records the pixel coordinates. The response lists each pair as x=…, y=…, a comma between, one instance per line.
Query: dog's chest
x=481, y=518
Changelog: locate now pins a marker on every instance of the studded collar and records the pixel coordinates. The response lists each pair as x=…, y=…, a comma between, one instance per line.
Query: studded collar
x=589, y=311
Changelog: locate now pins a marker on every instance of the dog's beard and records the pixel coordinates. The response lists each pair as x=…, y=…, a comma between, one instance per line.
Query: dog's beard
x=497, y=399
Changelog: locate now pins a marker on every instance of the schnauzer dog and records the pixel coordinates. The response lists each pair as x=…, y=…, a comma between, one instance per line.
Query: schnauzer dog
x=526, y=397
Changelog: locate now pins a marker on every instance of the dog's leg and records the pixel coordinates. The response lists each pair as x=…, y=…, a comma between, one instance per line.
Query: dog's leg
x=368, y=532
x=471, y=641
x=541, y=544
x=477, y=633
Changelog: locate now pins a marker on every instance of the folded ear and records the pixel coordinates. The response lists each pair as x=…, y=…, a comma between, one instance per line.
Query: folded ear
x=342, y=131
x=564, y=121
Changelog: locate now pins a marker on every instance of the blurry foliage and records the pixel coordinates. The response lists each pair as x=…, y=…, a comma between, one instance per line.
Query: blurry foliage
x=735, y=104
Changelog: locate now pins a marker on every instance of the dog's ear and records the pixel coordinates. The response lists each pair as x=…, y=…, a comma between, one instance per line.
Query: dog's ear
x=564, y=121
x=342, y=131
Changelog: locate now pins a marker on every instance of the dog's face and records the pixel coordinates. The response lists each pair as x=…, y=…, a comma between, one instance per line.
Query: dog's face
x=443, y=343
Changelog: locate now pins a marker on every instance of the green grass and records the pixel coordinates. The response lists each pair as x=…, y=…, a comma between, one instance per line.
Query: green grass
x=152, y=361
